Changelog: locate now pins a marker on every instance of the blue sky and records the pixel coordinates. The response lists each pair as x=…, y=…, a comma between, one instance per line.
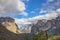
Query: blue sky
x=33, y=8
x=37, y=10
x=38, y=7
x=30, y=11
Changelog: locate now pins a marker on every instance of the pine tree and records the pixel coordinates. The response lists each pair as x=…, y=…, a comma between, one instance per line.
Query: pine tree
x=41, y=36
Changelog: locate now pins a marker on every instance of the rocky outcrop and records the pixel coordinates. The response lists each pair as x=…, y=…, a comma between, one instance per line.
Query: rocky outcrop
x=6, y=34
x=55, y=29
x=9, y=29
x=51, y=26
x=41, y=26
x=10, y=24
x=25, y=28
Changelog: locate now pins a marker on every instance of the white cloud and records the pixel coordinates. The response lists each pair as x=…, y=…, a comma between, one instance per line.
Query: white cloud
x=42, y=11
x=11, y=6
x=24, y=13
x=52, y=14
x=33, y=20
x=58, y=10
x=48, y=16
x=22, y=21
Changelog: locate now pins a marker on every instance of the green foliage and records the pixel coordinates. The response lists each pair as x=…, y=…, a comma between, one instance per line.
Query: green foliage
x=25, y=37
x=41, y=36
x=35, y=37
x=54, y=37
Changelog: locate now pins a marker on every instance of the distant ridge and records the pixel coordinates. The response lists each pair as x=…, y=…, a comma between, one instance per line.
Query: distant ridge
x=51, y=26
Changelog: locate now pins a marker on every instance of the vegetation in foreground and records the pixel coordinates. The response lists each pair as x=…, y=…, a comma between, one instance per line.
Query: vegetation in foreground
x=44, y=36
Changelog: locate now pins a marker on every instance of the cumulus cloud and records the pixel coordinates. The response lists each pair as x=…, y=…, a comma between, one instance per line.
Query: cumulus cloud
x=50, y=13
x=48, y=16
x=11, y=6
x=24, y=13
x=22, y=21
x=34, y=20
x=58, y=10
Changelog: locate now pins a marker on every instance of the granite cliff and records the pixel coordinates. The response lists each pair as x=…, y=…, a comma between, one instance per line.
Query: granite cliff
x=51, y=26
x=10, y=24
x=8, y=29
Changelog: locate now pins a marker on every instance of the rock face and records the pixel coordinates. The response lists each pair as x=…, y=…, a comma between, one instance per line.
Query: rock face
x=9, y=29
x=6, y=34
x=9, y=23
x=25, y=28
x=41, y=26
x=51, y=26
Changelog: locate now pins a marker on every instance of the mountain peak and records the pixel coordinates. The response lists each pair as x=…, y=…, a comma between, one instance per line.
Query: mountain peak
x=9, y=23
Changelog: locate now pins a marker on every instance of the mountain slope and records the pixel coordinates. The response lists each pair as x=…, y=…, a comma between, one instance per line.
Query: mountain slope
x=8, y=29
x=51, y=26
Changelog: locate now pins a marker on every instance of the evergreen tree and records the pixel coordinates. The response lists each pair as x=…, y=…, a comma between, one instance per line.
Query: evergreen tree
x=41, y=36
x=26, y=37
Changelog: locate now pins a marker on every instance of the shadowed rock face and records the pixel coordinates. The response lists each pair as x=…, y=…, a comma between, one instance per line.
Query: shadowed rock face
x=9, y=29
x=41, y=26
x=6, y=34
x=46, y=25
x=8, y=19
x=9, y=23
